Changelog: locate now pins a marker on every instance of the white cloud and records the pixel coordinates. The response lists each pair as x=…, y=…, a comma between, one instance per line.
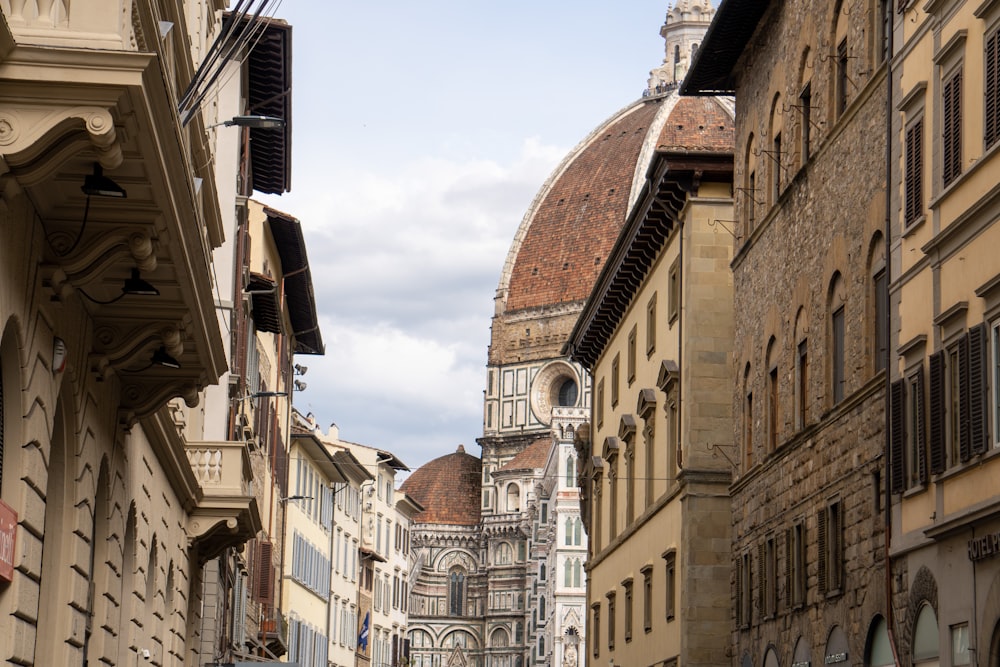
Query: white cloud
x=404, y=266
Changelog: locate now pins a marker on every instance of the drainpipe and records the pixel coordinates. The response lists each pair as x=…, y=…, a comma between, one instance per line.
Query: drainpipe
x=890, y=623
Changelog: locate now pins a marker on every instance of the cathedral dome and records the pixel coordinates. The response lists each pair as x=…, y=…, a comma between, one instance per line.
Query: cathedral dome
x=570, y=227
x=449, y=489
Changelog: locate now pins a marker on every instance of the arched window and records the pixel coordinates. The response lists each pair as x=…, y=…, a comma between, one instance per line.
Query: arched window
x=569, y=531
x=513, y=498
x=499, y=638
x=504, y=554
x=926, y=651
x=567, y=573
x=577, y=573
x=570, y=470
x=878, y=304
x=801, y=370
x=838, y=339
x=578, y=532
x=773, y=415
x=747, y=420
x=776, y=163
x=840, y=61
x=456, y=591
x=518, y=632
x=749, y=190
x=541, y=606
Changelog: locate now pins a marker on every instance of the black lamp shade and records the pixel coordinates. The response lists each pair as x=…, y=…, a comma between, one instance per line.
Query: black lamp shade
x=99, y=185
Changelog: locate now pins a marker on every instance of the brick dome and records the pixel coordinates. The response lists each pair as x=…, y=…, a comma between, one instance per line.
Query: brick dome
x=449, y=488
x=567, y=233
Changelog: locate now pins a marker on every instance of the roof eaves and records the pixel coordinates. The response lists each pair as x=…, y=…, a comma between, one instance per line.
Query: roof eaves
x=734, y=24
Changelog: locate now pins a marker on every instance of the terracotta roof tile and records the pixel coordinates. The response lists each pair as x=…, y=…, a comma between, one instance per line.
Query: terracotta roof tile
x=697, y=124
x=577, y=222
x=533, y=456
x=449, y=488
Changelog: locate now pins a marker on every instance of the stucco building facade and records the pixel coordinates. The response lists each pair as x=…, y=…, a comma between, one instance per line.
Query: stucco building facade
x=656, y=335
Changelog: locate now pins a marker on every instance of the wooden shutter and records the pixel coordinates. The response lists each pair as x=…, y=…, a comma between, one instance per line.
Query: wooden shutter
x=952, y=128
x=897, y=394
x=979, y=430
x=991, y=66
x=263, y=581
x=822, y=547
x=919, y=438
x=936, y=441
x=789, y=595
x=914, y=171
x=964, y=404
x=762, y=579
x=739, y=591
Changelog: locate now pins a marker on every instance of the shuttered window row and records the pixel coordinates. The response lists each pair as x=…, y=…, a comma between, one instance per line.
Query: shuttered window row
x=967, y=431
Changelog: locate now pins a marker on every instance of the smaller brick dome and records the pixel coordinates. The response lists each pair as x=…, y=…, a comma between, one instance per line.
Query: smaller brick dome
x=449, y=488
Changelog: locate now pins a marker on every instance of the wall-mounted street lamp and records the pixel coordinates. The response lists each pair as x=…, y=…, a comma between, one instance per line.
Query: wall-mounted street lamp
x=254, y=122
x=294, y=498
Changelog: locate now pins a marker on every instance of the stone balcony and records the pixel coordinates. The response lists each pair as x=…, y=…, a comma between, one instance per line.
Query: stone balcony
x=224, y=512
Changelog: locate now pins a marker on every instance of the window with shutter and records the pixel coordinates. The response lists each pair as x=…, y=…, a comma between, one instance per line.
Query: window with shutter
x=263, y=590
x=897, y=393
x=739, y=593
x=964, y=404
x=991, y=69
x=951, y=139
x=936, y=416
x=914, y=178
x=762, y=580
x=821, y=575
x=979, y=429
x=915, y=431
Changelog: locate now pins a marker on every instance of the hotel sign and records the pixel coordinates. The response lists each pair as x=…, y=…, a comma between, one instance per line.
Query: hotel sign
x=984, y=547
x=8, y=533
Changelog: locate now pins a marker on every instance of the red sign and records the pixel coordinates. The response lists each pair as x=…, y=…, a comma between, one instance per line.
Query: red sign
x=8, y=534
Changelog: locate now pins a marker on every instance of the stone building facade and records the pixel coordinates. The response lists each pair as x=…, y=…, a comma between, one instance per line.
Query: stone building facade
x=656, y=335
x=809, y=570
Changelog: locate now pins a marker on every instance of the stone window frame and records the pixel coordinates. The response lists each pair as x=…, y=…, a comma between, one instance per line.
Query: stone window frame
x=627, y=585
x=669, y=584
x=615, y=386
x=989, y=13
x=837, y=338
x=630, y=359
x=595, y=628
x=801, y=389
x=830, y=547
x=647, y=597
x=611, y=595
x=914, y=149
x=878, y=305
x=748, y=426
x=775, y=166
x=651, y=326
x=748, y=209
x=949, y=62
x=773, y=416
x=674, y=293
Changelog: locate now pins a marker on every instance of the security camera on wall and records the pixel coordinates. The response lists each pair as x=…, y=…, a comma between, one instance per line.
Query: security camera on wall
x=146, y=655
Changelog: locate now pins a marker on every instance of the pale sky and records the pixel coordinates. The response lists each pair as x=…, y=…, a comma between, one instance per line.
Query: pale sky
x=421, y=133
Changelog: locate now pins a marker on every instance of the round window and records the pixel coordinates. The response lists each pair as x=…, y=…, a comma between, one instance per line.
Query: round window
x=567, y=393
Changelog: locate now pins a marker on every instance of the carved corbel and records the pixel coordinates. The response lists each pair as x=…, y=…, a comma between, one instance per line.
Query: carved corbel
x=122, y=351
x=28, y=132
